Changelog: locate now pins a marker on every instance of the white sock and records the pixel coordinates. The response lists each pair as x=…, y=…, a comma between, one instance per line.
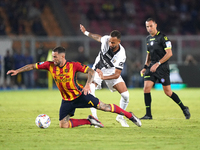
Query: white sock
x=124, y=101
x=93, y=110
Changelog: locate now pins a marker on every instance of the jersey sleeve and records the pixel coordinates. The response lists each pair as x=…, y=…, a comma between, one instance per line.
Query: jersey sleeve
x=105, y=43
x=120, y=64
x=80, y=67
x=43, y=65
x=166, y=43
x=104, y=38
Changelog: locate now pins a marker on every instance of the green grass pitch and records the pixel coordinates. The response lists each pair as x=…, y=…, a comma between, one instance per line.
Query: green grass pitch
x=168, y=130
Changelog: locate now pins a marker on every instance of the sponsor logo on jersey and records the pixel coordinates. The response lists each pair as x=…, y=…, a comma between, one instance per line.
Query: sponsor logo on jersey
x=121, y=64
x=151, y=43
x=165, y=38
x=62, y=80
x=41, y=63
x=108, y=56
x=152, y=39
x=61, y=75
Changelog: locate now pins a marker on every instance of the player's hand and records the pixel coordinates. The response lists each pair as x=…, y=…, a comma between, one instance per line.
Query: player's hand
x=154, y=67
x=86, y=90
x=142, y=72
x=100, y=73
x=82, y=28
x=12, y=72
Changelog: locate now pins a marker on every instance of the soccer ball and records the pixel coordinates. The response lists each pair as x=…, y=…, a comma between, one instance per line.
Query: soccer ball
x=43, y=121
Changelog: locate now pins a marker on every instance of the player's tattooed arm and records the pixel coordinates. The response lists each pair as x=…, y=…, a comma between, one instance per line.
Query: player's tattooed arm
x=27, y=68
x=95, y=37
x=91, y=35
x=90, y=73
x=104, y=107
x=22, y=69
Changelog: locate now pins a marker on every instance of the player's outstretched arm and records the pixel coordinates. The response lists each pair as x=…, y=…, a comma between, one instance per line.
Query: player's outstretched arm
x=22, y=69
x=96, y=37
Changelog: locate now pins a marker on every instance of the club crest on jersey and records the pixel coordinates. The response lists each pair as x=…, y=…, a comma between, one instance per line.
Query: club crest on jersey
x=151, y=43
x=66, y=70
x=114, y=60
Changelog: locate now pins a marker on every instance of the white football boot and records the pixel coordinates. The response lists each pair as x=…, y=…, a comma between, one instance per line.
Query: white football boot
x=121, y=120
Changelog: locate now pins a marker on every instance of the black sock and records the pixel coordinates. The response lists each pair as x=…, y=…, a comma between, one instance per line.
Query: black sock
x=176, y=99
x=147, y=100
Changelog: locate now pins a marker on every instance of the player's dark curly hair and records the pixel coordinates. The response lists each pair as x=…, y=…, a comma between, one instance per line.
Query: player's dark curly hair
x=115, y=33
x=59, y=49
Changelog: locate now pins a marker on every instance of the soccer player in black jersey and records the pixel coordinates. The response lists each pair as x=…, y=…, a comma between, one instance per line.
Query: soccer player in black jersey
x=156, y=67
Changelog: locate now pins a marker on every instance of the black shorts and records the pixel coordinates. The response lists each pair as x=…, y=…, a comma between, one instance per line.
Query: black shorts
x=83, y=101
x=161, y=75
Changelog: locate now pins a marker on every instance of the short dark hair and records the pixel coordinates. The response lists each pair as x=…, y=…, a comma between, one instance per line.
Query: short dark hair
x=151, y=19
x=59, y=49
x=115, y=33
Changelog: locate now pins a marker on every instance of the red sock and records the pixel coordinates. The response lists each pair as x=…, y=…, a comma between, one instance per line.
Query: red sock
x=78, y=122
x=118, y=110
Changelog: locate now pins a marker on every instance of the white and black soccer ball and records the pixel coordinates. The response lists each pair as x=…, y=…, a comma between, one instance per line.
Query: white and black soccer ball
x=43, y=121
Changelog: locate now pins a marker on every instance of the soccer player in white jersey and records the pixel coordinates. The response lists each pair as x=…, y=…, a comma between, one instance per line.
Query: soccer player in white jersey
x=108, y=66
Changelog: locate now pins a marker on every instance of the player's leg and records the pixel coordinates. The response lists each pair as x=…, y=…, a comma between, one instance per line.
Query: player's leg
x=68, y=122
x=64, y=123
x=93, y=110
x=122, y=89
x=147, y=98
x=116, y=109
x=67, y=110
x=96, y=84
x=176, y=99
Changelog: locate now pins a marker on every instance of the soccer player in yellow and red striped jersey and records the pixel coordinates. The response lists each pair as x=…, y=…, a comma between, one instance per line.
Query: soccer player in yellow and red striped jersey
x=65, y=77
x=74, y=95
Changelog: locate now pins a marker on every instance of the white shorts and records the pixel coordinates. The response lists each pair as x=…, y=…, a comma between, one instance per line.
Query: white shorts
x=109, y=83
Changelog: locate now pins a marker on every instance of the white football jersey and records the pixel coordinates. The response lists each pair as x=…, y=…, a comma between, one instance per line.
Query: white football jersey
x=107, y=60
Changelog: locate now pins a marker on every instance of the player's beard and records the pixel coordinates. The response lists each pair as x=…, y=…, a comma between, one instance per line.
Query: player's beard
x=112, y=48
x=57, y=63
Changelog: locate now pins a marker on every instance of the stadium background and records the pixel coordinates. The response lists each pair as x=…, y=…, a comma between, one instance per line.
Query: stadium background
x=29, y=29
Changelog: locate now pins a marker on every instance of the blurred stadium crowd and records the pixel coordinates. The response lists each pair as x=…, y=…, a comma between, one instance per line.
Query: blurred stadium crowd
x=40, y=18
x=173, y=16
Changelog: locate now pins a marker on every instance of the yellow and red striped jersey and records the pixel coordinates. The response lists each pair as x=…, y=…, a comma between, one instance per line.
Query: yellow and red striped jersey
x=65, y=77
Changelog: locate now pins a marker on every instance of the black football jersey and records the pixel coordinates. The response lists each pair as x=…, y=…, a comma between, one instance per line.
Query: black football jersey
x=157, y=45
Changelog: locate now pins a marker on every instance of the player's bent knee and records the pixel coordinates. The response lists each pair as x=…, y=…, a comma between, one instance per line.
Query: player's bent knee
x=64, y=125
x=168, y=94
x=125, y=96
